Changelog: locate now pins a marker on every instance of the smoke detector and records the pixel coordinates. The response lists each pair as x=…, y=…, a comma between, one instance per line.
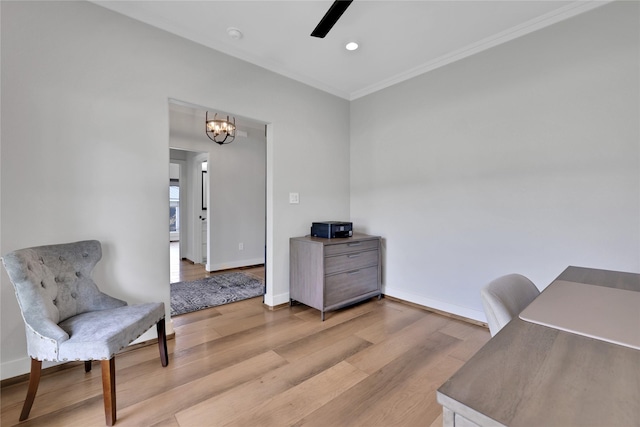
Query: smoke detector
x=234, y=33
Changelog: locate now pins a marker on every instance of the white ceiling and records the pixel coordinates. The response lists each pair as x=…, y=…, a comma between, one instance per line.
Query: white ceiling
x=398, y=39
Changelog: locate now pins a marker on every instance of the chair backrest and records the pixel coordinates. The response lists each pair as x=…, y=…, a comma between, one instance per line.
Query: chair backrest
x=54, y=283
x=505, y=297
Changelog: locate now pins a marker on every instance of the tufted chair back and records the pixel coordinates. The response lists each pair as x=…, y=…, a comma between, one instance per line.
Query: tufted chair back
x=53, y=283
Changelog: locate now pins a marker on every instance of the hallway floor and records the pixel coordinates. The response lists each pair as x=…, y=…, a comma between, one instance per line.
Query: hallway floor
x=184, y=270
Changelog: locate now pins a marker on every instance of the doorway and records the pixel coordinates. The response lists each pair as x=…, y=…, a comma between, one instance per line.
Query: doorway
x=187, y=211
x=228, y=201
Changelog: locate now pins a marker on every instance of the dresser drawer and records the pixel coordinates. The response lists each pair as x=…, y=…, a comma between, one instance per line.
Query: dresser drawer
x=350, y=261
x=350, y=247
x=328, y=274
x=351, y=284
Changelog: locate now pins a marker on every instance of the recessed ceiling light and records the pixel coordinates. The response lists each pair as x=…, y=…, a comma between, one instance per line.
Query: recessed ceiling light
x=351, y=46
x=234, y=33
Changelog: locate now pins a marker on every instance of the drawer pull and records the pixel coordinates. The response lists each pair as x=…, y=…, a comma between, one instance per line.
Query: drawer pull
x=354, y=244
x=353, y=272
x=353, y=256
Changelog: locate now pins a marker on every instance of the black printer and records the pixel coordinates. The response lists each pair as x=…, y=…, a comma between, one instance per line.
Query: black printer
x=331, y=229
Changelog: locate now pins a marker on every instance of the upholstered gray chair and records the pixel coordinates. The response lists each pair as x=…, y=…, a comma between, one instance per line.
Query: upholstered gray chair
x=505, y=297
x=67, y=318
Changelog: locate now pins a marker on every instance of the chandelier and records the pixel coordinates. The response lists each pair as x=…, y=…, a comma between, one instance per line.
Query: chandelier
x=220, y=131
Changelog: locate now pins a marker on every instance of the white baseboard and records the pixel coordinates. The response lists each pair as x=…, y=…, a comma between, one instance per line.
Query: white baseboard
x=13, y=368
x=438, y=305
x=234, y=264
x=275, y=300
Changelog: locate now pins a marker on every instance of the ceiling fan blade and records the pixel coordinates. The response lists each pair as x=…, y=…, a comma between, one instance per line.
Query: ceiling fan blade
x=330, y=18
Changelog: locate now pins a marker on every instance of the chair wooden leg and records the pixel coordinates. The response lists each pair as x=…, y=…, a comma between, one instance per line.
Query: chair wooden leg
x=87, y=365
x=162, y=342
x=34, y=381
x=109, y=389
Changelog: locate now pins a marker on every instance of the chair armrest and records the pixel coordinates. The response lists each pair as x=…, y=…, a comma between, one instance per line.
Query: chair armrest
x=43, y=339
x=46, y=329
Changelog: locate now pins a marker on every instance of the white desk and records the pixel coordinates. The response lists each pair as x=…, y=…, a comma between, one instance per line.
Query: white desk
x=533, y=375
x=592, y=311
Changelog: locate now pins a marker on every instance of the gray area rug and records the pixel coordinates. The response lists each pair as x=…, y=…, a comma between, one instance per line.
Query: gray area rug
x=213, y=291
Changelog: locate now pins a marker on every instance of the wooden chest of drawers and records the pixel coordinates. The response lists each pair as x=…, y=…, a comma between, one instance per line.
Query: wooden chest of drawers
x=328, y=274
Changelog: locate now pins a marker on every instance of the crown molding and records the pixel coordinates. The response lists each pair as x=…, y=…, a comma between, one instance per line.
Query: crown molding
x=566, y=12
x=570, y=10
x=136, y=12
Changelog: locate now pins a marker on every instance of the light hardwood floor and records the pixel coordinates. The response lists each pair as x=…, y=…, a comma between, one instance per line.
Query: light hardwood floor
x=378, y=363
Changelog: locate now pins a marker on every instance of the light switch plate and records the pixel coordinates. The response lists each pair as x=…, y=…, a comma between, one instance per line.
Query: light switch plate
x=294, y=198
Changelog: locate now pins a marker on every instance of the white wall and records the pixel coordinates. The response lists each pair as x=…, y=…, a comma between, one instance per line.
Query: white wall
x=237, y=175
x=85, y=128
x=237, y=206
x=523, y=158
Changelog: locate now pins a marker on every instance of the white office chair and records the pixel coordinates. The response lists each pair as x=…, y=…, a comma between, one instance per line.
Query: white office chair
x=505, y=297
